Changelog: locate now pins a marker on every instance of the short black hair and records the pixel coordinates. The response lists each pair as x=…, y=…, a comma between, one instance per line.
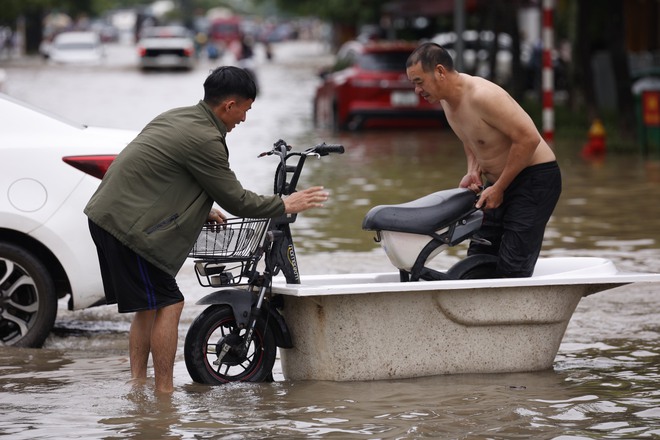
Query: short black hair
x=430, y=55
x=227, y=81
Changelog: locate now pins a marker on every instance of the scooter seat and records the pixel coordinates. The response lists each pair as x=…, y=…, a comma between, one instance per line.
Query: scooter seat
x=425, y=215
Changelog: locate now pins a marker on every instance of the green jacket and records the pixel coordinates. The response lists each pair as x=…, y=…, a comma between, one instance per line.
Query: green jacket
x=158, y=192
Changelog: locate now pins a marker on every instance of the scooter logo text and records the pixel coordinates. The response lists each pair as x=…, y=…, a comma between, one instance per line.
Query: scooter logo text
x=292, y=260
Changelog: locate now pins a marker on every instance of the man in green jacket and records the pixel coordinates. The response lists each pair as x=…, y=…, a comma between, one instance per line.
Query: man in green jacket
x=153, y=202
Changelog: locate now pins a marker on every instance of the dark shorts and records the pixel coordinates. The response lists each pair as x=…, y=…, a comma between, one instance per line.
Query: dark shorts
x=129, y=280
x=516, y=227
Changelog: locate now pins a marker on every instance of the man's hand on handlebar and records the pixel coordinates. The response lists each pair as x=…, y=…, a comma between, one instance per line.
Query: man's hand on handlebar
x=216, y=216
x=490, y=198
x=303, y=200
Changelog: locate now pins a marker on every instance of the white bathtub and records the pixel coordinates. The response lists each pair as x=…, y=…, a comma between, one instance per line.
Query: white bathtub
x=372, y=326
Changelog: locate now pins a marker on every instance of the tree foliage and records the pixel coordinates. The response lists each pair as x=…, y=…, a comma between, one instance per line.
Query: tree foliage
x=32, y=13
x=337, y=11
x=13, y=9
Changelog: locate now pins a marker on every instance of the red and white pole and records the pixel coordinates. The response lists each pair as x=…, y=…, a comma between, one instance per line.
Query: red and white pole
x=547, y=74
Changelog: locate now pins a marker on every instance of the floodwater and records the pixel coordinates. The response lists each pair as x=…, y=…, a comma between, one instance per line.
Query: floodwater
x=603, y=384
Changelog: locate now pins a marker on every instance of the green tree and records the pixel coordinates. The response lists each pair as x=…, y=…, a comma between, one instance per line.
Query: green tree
x=345, y=16
x=31, y=14
x=351, y=12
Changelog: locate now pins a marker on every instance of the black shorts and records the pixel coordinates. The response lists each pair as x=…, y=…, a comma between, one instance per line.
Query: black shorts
x=516, y=227
x=129, y=280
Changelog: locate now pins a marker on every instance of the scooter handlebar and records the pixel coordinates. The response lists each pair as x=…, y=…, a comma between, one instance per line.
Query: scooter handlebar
x=325, y=149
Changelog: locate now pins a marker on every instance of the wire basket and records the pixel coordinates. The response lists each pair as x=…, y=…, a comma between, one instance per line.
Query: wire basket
x=234, y=240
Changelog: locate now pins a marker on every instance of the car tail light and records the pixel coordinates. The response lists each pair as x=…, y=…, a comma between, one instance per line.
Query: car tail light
x=188, y=51
x=93, y=165
x=142, y=51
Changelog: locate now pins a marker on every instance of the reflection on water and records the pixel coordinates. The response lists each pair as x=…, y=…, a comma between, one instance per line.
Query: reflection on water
x=608, y=390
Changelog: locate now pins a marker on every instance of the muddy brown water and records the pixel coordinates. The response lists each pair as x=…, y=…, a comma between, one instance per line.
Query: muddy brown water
x=603, y=384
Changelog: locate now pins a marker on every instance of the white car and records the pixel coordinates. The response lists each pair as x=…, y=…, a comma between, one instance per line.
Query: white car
x=49, y=168
x=80, y=47
x=168, y=47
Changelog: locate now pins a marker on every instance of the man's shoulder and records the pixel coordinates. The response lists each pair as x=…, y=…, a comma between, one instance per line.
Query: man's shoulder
x=177, y=112
x=187, y=120
x=485, y=85
x=484, y=93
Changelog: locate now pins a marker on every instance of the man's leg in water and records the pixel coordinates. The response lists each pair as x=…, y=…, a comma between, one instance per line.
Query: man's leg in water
x=155, y=331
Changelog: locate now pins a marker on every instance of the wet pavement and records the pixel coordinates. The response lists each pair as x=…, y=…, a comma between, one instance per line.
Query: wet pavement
x=604, y=383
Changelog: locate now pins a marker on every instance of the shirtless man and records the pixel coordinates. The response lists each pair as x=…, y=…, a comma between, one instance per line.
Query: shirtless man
x=503, y=146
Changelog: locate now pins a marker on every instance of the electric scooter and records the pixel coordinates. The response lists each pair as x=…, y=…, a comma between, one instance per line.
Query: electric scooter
x=236, y=337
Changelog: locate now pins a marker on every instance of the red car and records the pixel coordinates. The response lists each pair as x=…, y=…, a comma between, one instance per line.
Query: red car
x=368, y=87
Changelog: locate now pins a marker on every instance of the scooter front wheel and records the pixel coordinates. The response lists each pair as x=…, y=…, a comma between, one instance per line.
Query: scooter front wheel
x=215, y=349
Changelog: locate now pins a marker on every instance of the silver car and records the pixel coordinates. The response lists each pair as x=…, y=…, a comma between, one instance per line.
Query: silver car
x=79, y=47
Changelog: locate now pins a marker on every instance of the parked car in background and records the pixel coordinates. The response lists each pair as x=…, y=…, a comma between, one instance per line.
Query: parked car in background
x=222, y=32
x=368, y=87
x=166, y=47
x=49, y=168
x=76, y=47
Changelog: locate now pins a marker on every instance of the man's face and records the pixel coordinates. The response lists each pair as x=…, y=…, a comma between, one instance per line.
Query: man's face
x=236, y=111
x=424, y=82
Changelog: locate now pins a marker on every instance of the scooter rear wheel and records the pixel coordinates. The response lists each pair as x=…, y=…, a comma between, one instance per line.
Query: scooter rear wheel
x=210, y=331
x=474, y=267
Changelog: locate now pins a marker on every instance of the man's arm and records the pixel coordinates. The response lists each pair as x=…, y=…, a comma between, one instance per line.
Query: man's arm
x=472, y=178
x=505, y=115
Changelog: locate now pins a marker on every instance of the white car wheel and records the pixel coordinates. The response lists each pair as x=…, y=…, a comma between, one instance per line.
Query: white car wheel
x=28, y=302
